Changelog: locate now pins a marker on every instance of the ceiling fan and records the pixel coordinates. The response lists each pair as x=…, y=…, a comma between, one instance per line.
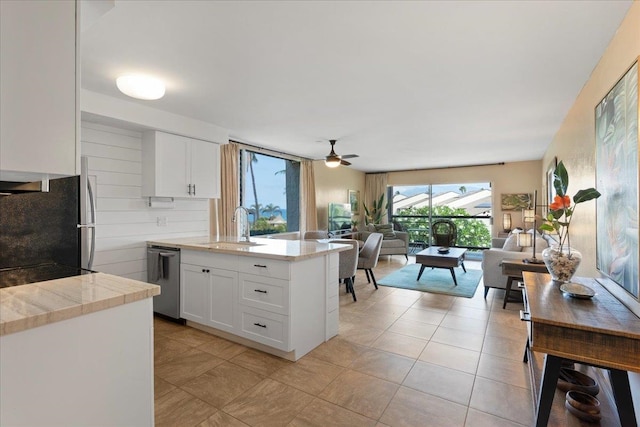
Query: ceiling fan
x=333, y=160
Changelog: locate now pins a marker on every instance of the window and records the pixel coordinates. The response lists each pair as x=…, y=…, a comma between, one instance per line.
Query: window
x=468, y=205
x=270, y=190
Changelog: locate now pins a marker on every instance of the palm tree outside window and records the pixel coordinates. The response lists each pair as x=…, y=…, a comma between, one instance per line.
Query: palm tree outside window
x=270, y=190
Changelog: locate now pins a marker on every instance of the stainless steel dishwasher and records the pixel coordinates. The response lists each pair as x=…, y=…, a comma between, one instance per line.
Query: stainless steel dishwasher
x=163, y=269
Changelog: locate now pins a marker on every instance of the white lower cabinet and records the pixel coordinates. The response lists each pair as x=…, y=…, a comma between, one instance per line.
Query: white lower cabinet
x=194, y=287
x=91, y=370
x=289, y=306
x=207, y=296
x=223, y=290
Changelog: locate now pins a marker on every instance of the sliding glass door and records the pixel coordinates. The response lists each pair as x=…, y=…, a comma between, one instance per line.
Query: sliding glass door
x=467, y=205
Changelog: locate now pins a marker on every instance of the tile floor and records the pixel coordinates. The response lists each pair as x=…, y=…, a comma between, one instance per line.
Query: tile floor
x=402, y=358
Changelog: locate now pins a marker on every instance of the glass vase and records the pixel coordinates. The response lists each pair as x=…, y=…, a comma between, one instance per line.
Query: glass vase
x=562, y=263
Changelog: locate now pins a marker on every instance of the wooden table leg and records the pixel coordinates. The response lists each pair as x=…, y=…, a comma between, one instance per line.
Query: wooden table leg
x=420, y=273
x=622, y=395
x=463, y=268
x=547, y=389
x=506, y=291
x=453, y=274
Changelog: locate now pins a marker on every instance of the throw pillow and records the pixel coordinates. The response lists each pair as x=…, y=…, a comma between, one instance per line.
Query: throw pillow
x=511, y=244
x=386, y=230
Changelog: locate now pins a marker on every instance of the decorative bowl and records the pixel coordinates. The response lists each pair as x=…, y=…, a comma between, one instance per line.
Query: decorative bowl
x=583, y=402
x=585, y=416
x=570, y=379
x=443, y=250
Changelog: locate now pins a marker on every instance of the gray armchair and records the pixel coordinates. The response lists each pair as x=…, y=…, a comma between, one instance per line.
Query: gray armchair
x=396, y=246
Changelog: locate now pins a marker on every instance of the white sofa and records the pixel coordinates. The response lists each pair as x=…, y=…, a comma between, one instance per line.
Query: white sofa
x=492, y=259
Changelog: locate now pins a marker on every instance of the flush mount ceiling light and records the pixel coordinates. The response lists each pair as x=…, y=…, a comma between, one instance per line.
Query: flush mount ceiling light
x=140, y=86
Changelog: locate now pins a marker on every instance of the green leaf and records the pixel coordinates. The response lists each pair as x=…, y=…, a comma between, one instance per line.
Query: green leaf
x=556, y=214
x=585, y=195
x=547, y=227
x=561, y=179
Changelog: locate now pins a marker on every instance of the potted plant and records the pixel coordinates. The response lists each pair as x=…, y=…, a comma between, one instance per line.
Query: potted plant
x=562, y=260
x=377, y=211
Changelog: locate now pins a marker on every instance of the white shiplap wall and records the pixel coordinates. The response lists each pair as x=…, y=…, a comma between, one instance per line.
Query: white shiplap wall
x=124, y=221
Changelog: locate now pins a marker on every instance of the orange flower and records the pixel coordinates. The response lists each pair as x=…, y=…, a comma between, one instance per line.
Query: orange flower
x=560, y=202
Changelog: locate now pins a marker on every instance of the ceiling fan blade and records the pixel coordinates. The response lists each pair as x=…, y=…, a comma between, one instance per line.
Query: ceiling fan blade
x=345, y=163
x=349, y=156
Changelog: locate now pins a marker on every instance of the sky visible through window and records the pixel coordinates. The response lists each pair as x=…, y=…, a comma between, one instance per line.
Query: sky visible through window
x=270, y=184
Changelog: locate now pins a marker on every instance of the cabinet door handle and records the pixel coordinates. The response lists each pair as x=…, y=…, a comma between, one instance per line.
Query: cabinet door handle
x=194, y=189
x=260, y=325
x=525, y=316
x=189, y=189
x=260, y=265
x=204, y=270
x=260, y=290
x=520, y=285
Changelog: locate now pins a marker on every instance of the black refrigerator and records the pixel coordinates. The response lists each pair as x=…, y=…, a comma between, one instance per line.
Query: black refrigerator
x=48, y=235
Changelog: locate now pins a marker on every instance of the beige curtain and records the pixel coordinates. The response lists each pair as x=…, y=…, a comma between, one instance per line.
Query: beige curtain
x=375, y=184
x=229, y=188
x=308, y=211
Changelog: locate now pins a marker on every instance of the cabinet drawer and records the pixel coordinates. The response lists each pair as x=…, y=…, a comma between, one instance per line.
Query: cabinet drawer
x=264, y=267
x=264, y=293
x=265, y=327
x=209, y=259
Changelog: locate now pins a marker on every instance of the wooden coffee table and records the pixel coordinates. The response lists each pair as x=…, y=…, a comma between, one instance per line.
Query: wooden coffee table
x=430, y=257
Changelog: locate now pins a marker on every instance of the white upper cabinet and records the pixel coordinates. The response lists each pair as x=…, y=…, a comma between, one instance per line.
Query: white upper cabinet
x=38, y=90
x=176, y=166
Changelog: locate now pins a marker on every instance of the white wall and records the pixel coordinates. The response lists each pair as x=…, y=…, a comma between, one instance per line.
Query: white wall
x=124, y=220
x=574, y=143
x=332, y=186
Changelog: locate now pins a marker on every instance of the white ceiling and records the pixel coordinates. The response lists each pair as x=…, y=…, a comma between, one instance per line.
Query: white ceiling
x=406, y=85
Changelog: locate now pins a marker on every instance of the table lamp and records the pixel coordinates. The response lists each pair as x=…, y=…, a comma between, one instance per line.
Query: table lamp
x=506, y=222
x=529, y=239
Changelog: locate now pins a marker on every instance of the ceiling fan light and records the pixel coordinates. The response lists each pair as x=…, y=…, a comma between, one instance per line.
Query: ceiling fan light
x=332, y=163
x=141, y=86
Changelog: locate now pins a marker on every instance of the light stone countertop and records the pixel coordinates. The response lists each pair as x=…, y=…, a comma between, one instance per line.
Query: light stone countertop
x=37, y=304
x=288, y=250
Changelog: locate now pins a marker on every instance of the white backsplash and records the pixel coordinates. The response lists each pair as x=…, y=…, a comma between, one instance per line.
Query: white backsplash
x=124, y=220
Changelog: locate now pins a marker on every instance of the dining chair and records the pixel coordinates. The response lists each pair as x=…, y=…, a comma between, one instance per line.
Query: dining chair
x=368, y=256
x=315, y=234
x=347, y=264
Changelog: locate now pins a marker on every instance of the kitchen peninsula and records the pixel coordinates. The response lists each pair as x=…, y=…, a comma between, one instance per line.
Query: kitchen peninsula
x=279, y=296
x=77, y=351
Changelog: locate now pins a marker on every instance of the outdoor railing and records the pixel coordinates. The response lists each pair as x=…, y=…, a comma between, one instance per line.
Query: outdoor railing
x=474, y=232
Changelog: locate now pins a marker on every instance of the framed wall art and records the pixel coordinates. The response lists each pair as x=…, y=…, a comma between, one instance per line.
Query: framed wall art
x=616, y=129
x=354, y=200
x=515, y=201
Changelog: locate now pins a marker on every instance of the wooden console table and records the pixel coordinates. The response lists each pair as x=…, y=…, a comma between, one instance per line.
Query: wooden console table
x=600, y=331
x=513, y=268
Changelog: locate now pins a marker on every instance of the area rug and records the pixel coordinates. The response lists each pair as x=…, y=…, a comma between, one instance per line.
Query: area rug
x=437, y=280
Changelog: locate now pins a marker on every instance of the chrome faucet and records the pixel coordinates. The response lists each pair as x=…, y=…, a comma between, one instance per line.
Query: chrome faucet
x=246, y=233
